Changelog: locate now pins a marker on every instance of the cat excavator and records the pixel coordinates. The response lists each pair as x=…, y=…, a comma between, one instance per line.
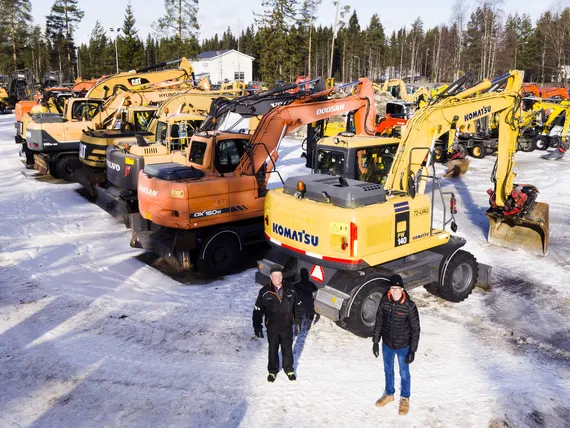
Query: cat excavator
x=350, y=238
x=136, y=79
x=204, y=214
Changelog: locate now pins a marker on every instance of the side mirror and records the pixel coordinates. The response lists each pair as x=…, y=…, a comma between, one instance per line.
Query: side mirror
x=411, y=186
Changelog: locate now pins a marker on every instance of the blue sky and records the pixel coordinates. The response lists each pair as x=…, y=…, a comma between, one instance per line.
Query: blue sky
x=216, y=15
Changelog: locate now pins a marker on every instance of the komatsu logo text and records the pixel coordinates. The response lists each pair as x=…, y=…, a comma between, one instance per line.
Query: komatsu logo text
x=330, y=109
x=478, y=113
x=148, y=191
x=296, y=235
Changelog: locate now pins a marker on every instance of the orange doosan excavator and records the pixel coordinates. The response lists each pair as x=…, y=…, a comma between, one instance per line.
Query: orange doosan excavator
x=203, y=214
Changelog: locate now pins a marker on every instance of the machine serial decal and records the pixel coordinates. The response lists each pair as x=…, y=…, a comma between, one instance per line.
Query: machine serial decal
x=421, y=211
x=296, y=235
x=477, y=113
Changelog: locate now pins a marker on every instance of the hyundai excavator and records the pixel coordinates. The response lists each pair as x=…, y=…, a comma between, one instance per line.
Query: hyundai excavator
x=144, y=76
x=350, y=237
x=128, y=156
x=54, y=139
x=205, y=213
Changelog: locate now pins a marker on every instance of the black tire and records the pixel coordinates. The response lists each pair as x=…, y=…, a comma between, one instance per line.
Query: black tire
x=459, y=277
x=555, y=142
x=541, y=142
x=478, y=151
x=362, y=315
x=218, y=255
x=526, y=144
x=438, y=154
x=65, y=167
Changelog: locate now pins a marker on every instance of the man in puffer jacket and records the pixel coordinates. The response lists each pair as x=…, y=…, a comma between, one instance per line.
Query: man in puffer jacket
x=278, y=302
x=398, y=325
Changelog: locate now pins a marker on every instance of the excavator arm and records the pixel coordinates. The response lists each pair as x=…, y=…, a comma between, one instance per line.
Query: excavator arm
x=134, y=78
x=282, y=120
x=449, y=114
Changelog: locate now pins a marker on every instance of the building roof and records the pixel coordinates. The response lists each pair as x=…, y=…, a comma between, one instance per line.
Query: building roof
x=214, y=54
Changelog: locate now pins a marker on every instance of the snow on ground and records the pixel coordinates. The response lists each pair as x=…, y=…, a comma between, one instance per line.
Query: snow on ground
x=90, y=335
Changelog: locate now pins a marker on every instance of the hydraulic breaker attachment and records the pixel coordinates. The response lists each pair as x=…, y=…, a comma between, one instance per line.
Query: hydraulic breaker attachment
x=529, y=233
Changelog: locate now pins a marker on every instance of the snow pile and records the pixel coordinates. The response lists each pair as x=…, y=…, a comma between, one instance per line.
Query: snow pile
x=92, y=336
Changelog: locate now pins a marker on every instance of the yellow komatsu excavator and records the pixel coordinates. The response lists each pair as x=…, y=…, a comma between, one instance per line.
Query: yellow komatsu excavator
x=350, y=238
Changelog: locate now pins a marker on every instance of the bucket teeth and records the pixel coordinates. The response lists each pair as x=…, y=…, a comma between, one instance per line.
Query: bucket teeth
x=529, y=233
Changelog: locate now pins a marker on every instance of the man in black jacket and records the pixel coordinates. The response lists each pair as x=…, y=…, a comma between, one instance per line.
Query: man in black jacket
x=279, y=304
x=398, y=325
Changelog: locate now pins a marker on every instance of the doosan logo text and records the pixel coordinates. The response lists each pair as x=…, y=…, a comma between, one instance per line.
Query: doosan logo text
x=330, y=109
x=147, y=191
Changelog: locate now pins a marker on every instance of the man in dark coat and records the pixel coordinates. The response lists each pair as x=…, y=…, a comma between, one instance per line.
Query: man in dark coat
x=398, y=325
x=278, y=302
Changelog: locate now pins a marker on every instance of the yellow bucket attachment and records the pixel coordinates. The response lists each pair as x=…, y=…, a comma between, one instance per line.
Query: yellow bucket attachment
x=456, y=167
x=529, y=233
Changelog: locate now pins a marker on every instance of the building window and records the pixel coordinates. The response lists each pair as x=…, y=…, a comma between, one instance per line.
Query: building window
x=239, y=75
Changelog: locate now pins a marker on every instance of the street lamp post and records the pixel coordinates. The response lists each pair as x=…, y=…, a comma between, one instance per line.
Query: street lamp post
x=116, y=50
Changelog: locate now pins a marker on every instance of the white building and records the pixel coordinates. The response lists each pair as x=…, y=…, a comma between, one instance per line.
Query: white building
x=224, y=65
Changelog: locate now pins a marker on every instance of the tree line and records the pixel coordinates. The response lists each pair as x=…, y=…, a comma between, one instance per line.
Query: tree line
x=286, y=42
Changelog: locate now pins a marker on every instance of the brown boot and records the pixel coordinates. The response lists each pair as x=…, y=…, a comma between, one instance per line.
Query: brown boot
x=404, y=405
x=385, y=399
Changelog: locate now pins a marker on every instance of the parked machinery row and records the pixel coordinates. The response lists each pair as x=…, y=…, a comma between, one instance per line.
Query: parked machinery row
x=193, y=185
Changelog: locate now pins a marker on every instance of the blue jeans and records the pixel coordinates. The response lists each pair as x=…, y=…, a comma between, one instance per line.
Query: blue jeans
x=388, y=355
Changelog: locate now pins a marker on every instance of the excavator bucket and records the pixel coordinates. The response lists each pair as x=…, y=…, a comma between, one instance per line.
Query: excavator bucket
x=456, y=167
x=529, y=233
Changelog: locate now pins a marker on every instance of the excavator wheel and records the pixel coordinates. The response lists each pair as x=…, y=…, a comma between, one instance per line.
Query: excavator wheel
x=438, y=154
x=219, y=255
x=65, y=167
x=525, y=144
x=478, y=151
x=362, y=317
x=458, y=277
x=541, y=142
x=555, y=142
x=529, y=233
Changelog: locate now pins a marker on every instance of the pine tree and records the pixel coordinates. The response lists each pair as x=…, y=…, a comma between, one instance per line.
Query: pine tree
x=129, y=46
x=15, y=21
x=375, y=41
x=308, y=16
x=180, y=19
x=61, y=22
x=150, y=52
x=274, y=24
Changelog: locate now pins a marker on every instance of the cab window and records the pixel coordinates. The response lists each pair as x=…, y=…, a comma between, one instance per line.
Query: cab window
x=85, y=110
x=181, y=132
x=330, y=162
x=373, y=163
x=197, y=151
x=228, y=155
